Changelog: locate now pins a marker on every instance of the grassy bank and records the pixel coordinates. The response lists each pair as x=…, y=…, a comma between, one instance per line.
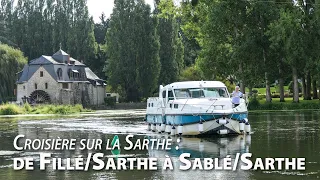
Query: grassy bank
x=12, y=109
x=256, y=104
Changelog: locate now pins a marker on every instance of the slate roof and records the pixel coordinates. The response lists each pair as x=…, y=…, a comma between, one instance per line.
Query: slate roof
x=43, y=60
x=51, y=64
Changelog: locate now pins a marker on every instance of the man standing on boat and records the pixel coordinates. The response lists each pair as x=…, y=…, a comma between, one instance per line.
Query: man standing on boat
x=236, y=95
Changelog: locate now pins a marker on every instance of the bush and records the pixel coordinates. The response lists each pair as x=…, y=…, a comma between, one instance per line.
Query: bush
x=110, y=101
x=284, y=105
x=255, y=91
x=27, y=107
x=275, y=95
x=254, y=102
x=10, y=109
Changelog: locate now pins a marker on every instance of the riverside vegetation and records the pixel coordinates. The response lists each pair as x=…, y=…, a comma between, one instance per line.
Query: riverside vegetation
x=13, y=109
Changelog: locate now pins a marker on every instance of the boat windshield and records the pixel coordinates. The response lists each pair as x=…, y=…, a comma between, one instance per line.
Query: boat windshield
x=201, y=93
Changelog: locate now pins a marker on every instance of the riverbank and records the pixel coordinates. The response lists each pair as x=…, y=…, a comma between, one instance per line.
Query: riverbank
x=255, y=104
x=13, y=109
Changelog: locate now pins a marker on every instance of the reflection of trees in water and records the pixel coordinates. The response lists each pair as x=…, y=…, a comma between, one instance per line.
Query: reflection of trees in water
x=213, y=147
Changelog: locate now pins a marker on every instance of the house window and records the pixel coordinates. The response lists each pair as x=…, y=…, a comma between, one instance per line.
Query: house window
x=65, y=86
x=41, y=73
x=24, y=87
x=35, y=86
x=59, y=73
x=70, y=73
x=46, y=84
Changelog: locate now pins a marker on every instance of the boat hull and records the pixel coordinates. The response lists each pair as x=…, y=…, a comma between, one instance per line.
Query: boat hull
x=190, y=124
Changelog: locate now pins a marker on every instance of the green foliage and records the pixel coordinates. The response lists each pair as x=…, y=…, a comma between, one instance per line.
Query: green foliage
x=192, y=73
x=133, y=50
x=27, y=107
x=11, y=61
x=110, y=101
x=38, y=27
x=10, y=109
x=255, y=104
x=13, y=109
x=171, y=47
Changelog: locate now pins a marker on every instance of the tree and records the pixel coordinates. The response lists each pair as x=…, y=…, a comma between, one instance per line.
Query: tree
x=133, y=49
x=5, y=22
x=100, y=29
x=11, y=61
x=171, y=47
x=288, y=32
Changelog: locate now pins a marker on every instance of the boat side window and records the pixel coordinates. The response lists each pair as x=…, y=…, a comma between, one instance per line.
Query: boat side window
x=182, y=93
x=164, y=94
x=170, y=95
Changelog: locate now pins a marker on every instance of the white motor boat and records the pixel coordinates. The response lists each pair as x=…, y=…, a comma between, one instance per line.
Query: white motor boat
x=196, y=108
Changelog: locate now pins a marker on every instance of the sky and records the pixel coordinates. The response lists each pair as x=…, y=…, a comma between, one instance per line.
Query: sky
x=96, y=7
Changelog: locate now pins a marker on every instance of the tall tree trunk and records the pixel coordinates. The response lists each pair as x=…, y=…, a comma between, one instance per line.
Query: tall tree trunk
x=281, y=82
x=308, y=86
x=281, y=89
x=315, y=90
x=268, y=92
x=304, y=92
x=295, y=85
x=242, y=86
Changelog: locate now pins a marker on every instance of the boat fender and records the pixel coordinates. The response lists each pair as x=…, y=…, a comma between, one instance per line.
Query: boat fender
x=159, y=128
x=241, y=126
x=180, y=129
x=200, y=126
x=247, y=127
x=222, y=121
x=163, y=127
x=168, y=128
x=149, y=127
x=153, y=127
x=173, y=131
x=223, y=131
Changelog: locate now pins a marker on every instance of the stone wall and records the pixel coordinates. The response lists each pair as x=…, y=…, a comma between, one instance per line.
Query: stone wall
x=27, y=88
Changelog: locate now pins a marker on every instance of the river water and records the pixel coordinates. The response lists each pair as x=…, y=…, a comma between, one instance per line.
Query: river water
x=276, y=134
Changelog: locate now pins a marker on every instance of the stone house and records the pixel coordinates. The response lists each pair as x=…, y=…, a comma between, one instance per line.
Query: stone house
x=59, y=79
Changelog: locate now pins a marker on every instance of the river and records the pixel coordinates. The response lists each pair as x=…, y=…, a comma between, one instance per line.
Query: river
x=276, y=134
